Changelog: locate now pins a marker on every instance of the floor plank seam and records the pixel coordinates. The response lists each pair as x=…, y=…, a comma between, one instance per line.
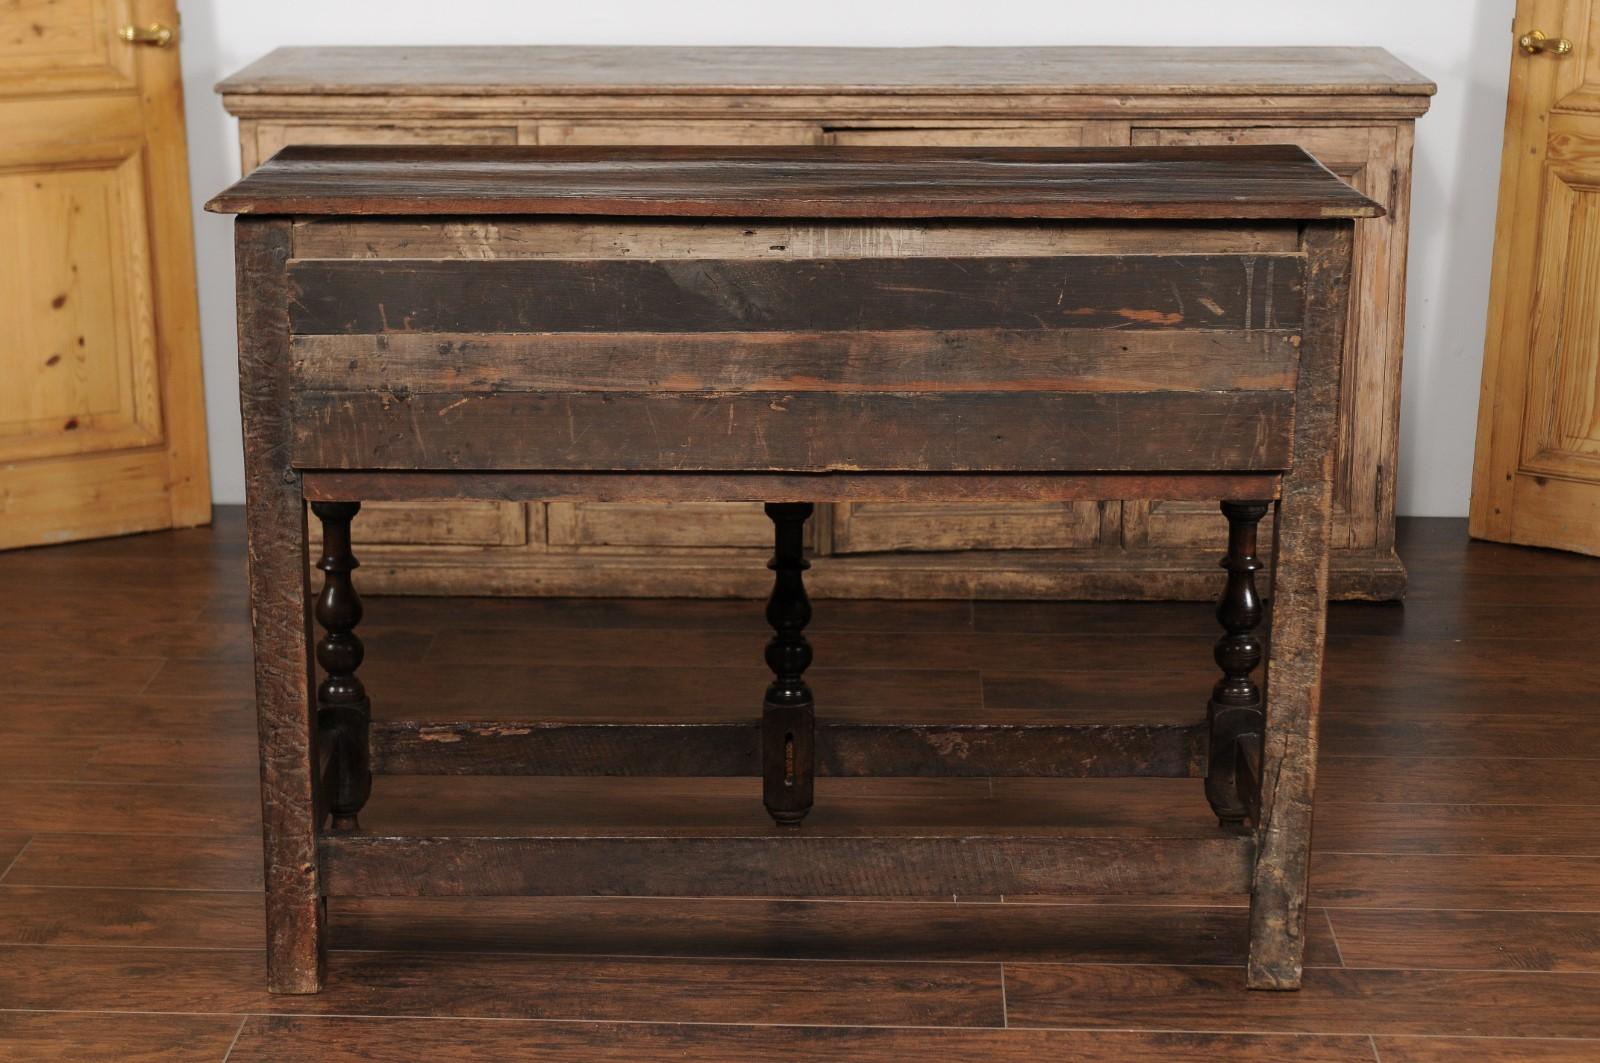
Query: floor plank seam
x=1333, y=935
x=236, y=1035
x=1005, y=1008
x=13, y=861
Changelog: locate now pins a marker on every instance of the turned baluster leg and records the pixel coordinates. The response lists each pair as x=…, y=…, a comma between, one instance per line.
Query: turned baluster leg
x=788, y=716
x=343, y=712
x=1235, y=710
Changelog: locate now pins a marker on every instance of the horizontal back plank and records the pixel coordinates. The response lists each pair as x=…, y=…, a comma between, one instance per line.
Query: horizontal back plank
x=803, y=432
x=726, y=295
x=388, y=486
x=784, y=864
x=1088, y=360
x=650, y=238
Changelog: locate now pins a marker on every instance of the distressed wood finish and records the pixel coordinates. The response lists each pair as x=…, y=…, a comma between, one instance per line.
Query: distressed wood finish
x=1189, y=183
x=645, y=73
x=291, y=805
x=1086, y=360
x=406, y=487
x=783, y=864
x=709, y=295
x=736, y=431
x=844, y=749
x=1288, y=771
x=1351, y=108
x=500, y=411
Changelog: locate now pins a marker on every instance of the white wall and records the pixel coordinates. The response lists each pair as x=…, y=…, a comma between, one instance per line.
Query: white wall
x=1464, y=45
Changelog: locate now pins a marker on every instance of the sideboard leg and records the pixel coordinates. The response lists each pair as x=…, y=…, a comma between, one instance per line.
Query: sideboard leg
x=275, y=514
x=344, y=714
x=788, y=715
x=1301, y=534
x=1234, y=712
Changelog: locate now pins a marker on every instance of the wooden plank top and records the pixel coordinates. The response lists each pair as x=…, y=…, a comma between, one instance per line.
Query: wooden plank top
x=1196, y=183
x=653, y=71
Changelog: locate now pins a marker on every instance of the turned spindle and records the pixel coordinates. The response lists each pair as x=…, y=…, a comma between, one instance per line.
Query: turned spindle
x=788, y=716
x=344, y=714
x=1235, y=712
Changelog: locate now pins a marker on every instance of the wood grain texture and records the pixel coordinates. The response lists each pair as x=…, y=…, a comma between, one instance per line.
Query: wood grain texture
x=80, y=1037
x=722, y=432
x=1299, y=625
x=1175, y=290
x=797, y=865
x=508, y=986
x=102, y=425
x=779, y=238
x=654, y=70
x=403, y=486
x=279, y=592
x=800, y=182
x=337, y=1040
x=1366, y=139
x=1111, y=360
x=843, y=749
x=1332, y=1001
x=170, y=842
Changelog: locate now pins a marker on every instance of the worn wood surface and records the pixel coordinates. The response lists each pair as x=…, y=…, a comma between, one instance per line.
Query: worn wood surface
x=1192, y=184
x=654, y=70
x=687, y=427
x=1288, y=770
x=1169, y=290
x=771, y=239
x=1109, y=360
x=403, y=486
x=727, y=432
x=782, y=864
x=134, y=907
x=279, y=590
x=1113, y=550
x=843, y=749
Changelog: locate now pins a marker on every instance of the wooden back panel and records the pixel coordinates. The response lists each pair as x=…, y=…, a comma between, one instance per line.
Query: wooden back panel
x=555, y=344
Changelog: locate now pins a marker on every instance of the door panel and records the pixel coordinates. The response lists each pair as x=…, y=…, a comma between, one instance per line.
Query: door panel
x=64, y=46
x=1536, y=477
x=102, y=427
x=80, y=327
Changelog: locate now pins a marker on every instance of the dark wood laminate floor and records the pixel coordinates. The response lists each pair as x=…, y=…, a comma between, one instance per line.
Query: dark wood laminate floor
x=1456, y=880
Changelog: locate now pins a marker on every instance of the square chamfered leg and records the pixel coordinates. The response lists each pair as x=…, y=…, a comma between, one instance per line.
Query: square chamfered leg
x=286, y=712
x=1288, y=767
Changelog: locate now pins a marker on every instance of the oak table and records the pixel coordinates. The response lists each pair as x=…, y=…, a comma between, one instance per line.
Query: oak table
x=967, y=326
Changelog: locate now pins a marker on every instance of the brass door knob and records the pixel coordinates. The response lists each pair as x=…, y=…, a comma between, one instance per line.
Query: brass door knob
x=155, y=35
x=1536, y=42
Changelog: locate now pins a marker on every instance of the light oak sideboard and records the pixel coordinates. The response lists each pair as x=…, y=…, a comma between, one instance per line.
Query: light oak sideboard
x=1353, y=108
